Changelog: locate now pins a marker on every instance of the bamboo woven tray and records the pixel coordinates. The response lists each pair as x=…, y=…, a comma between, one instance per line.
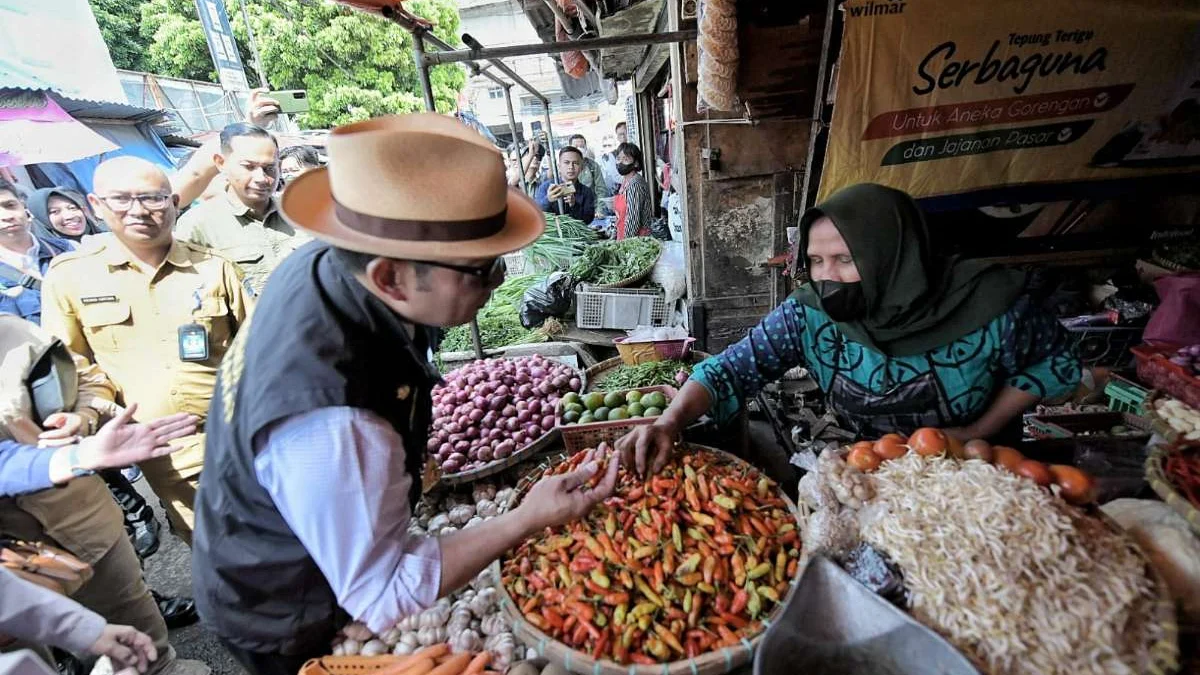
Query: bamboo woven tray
x=716, y=662
x=1157, y=477
x=1157, y=423
x=347, y=665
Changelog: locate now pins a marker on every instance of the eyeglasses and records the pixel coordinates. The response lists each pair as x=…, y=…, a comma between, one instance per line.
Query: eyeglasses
x=122, y=203
x=482, y=273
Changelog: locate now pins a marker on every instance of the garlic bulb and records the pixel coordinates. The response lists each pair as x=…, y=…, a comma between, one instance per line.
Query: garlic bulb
x=459, y=515
x=484, y=600
x=391, y=637
x=410, y=640
x=483, y=491
x=434, y=617
x=487, y=508
x=402, y=649
x=449, y=529
x=504, y=498
x=351, y=647
x=484, y=579
x=503, y=648
x=438, y=522
x=408, y=623
x=466, y=641
x=473, y=522
x=357, y=631
x=339, y=649
x=493, y=624
x=431, y=635
x=374, y=648
x=460, y=620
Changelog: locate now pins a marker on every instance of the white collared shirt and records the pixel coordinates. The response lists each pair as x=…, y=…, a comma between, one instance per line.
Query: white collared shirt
x=27, y=263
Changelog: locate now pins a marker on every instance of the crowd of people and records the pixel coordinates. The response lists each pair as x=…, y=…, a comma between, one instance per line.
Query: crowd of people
x=611, y=192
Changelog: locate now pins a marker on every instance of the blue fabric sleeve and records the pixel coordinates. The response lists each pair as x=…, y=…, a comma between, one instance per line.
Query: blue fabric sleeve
x=23, y=468
x=542, y=198
x=737, y=374
x=1037, y=355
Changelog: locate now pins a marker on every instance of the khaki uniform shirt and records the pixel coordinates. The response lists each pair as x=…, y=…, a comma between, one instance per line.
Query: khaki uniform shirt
x=80, y=516
x=103, y=306
x=257, y=245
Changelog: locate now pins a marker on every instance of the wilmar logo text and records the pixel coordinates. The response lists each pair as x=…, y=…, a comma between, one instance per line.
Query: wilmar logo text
x=876, y=8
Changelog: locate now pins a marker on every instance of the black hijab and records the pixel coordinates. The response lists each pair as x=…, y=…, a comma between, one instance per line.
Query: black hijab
x=915, y=303
x=39, y=205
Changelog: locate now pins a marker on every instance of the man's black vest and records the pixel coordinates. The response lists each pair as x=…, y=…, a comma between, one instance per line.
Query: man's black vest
x=316, y=339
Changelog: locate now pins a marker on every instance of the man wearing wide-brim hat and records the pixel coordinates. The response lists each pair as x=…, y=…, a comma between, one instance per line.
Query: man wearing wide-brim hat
x=318, y=428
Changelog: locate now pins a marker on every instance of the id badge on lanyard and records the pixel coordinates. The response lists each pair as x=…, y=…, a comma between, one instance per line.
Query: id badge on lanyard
x=193, y=338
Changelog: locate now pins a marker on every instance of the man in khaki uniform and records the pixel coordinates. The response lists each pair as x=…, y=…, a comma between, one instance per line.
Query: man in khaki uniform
x=244, y=223
x=154, y=313
x=80, y=516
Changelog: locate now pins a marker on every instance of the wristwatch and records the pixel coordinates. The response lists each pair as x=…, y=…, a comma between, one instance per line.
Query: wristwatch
x=73, y=463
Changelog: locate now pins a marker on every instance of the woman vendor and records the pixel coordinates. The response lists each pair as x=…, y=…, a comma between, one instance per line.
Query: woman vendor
x=896, y=338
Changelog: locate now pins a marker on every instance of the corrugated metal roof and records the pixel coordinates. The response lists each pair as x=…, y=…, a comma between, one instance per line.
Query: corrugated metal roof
x=106, y=110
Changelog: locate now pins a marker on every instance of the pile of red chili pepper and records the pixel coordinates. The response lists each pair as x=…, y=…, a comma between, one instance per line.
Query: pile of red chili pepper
x=1183, y=470
x=670, y=567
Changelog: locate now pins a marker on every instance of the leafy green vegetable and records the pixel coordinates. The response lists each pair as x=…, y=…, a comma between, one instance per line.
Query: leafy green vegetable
x=643, y=375
x=611, y=261
x=499, y=320
x=564, y=239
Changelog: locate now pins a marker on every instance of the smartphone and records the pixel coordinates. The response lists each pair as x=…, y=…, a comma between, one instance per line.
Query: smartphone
x=291, y=101
x=567, y=188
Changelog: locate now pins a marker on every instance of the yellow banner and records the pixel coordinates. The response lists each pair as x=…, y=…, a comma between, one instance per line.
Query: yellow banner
x=938, y=98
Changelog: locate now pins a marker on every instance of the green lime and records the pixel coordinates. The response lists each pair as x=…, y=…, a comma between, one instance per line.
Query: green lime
x=654, y=399
x=601, y=414
x=633, y=396
x=652, y=412
x=570, y=397
x=586, y=418
x=614, y=400
x=636, y=409
x=593, y=400
x=571, y=416
x=618, y=414
x=575, y=408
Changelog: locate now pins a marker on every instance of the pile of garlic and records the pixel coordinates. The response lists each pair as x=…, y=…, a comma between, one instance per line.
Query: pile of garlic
x=470, y=618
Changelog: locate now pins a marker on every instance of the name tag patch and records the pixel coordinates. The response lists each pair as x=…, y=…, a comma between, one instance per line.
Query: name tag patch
x=98, y=299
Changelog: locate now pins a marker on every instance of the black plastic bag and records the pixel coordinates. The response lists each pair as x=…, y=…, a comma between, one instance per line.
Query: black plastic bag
x=547, y=298
x=659, y=229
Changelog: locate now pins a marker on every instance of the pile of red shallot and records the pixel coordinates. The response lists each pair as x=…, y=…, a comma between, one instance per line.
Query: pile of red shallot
x=492, y=408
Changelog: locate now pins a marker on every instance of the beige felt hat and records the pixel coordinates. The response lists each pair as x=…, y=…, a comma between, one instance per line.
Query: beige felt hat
x=417, y=187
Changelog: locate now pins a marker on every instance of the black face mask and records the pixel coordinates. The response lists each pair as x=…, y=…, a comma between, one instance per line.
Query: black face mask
x=626, y=169
x=842, y=301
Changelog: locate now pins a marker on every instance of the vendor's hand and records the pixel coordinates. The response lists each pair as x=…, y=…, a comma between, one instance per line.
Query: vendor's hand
x=126, y=646
x=569, y=200
x=123, y=442
x=648, y=447
x=560, y=499
x=263, y=109
x=62, y=428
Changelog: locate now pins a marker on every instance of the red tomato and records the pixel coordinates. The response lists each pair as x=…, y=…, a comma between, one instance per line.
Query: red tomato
x=863, y=459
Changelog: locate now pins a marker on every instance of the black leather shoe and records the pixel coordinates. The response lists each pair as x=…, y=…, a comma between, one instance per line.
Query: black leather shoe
x=177, y=612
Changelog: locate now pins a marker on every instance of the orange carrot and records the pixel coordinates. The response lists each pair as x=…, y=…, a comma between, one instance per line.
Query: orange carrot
x=477, y=664
x=453, y=665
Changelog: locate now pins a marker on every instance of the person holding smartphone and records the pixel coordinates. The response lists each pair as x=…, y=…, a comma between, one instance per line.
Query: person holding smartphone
x=568, y=197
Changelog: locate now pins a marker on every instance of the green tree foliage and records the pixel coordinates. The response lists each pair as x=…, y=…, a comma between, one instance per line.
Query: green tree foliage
x=119, y=21
x=354, y=65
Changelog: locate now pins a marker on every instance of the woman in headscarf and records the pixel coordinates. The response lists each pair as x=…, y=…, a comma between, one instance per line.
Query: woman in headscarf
x=896, y=338
x=61, y=213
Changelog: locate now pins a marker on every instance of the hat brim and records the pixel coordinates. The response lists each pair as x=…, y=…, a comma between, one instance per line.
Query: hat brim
x=307, y=204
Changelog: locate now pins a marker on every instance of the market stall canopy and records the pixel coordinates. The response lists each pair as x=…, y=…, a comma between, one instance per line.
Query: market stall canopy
x=34, y=129
x=57, y=45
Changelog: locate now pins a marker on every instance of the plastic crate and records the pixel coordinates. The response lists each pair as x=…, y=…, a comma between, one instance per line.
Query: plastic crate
x=1105, y=345
x=515, y=264
x=619, y=308
x=1093, y=425
x=1124, y=396
x=1154, y=369
x=578, y=437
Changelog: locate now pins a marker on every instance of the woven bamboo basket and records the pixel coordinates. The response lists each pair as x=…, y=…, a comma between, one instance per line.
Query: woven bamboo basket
x=634, y=280
x=347, y=665
x=494, y=467
x=1157, y=477
x=716, y=662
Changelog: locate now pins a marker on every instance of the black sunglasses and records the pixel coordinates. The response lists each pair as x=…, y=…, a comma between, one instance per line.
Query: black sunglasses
x=483, y=273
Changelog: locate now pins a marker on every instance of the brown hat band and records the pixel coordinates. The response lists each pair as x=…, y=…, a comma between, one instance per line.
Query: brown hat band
x=420, y=230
